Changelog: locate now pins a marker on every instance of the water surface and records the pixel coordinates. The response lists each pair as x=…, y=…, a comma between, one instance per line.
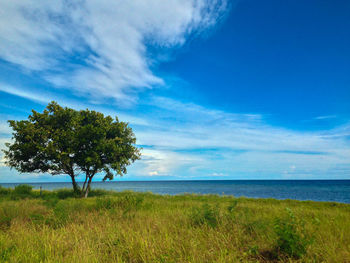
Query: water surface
x=316, y=190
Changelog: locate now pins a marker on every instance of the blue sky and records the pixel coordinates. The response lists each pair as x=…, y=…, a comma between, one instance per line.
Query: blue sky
x=213, y=89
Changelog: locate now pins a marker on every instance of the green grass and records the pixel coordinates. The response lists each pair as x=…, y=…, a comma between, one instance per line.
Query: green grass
x=143, y=227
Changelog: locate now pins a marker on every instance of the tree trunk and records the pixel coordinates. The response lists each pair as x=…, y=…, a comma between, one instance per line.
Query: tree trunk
x=83, y=189
x=75, y=185
x=88, y=187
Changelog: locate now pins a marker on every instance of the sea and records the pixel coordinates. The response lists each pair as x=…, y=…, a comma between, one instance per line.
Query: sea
x=315, y=190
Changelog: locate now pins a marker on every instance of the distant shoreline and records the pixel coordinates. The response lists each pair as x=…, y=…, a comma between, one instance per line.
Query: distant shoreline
x=315, y=190
x=199, y=180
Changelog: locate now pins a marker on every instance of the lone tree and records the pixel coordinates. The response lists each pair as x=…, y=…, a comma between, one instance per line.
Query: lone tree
x=65, y=141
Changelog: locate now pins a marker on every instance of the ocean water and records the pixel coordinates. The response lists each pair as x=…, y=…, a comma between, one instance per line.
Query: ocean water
x=316, y=190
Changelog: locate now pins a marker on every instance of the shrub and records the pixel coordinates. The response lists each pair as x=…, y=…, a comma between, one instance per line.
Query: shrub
x=4, y=191
x=205, y=215
x=292, y=240
x=66, y=193
x=23, y=189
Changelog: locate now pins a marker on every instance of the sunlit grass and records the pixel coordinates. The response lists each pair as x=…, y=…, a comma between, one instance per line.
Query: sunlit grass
x=143, y=227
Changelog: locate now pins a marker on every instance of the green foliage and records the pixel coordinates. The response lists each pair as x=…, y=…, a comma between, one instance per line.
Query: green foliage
x=143, y=227
x=23, y=189
x=5, y=221
x=66, y=193
x=254, y=227
x=106, y=203
x=6, y=250
x=232, y=207
x=61, y=214
x=4, y=191
x=7, y=213
x=125, y=202
x=37, y=218
x=206, y=214
x=65, y=141
x=253, y=250
x=292, y=239
x=231, y=212
x=51, y=201
x=100, y=192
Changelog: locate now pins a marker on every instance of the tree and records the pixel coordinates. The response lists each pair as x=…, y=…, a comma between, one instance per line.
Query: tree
x=65, y=141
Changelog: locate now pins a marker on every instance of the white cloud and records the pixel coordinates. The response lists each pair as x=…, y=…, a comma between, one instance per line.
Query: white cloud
x=199, y=127
x=152, y=173
x=218, y=174
x=3, y=147
x=45, y=97
x=325, y=117
x=185, y=139
x=26, y=93
x=5, y=128
x=162, y=162
x=99, y=48
x=200, y=140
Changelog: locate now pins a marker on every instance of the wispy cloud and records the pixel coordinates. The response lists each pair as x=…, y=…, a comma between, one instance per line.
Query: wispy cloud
x=185, y=140
x=100, y=48
x=326, y=117
x=202, y=141
x=26, y=93
x=45, y=97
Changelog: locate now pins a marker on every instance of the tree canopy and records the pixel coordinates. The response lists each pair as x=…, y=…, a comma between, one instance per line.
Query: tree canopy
x=66, y=141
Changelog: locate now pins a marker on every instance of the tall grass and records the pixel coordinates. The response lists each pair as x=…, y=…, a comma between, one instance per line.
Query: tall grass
x=143, y=227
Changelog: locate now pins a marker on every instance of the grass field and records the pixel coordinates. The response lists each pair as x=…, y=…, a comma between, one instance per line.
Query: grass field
x=143, y=227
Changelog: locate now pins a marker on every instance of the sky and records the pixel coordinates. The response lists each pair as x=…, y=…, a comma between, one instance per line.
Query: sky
x=219, y=89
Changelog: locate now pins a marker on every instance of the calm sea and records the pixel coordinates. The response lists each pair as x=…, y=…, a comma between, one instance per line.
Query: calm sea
x=317, y=190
